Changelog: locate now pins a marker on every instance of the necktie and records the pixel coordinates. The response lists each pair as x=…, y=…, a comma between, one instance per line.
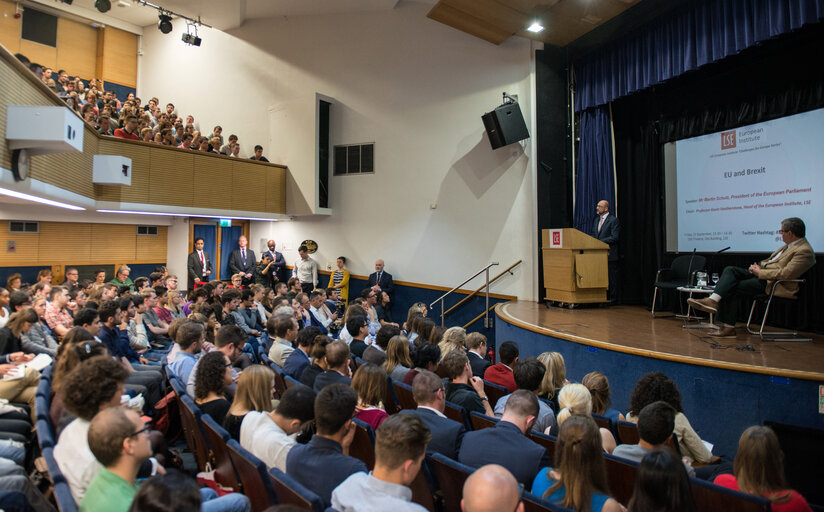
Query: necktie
x=243, y=255
x=601, y=223
x=202, y=260
x=379, y=276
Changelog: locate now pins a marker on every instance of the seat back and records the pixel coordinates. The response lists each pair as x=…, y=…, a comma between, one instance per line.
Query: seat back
x=621, y=478
x=628, y=433
x=494, y=392
x=681, y=267
x=480, y=421
x=253, y=476
x=178, y=385
x=441, y=372
x=603, y=422
x=292, y=382
x=422, y=492
x=363, y=444
x=190, y=420
x=390, y=400
x=217, y=436
x=457, y=413
x=63, y=497
x=548, y=442
x=45, y=434
x=803, y=449
x=280, y=383
x=41, y=407
x=552, y=405
x=534, y=503
x=714, y=498
x=404, y=394
x=44, y=387
x=450, y=475
x=290, y=492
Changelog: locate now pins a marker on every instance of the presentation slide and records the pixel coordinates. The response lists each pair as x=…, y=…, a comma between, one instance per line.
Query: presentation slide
x=734, y=187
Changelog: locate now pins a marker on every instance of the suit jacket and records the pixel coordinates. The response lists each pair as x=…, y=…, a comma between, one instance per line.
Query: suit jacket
x=793, y=262
x=195, y=267
x=447, y=434
x=236, y=265
x=328, y=378
x=280, y=262
x=478, y=364
x=317, y=323
x=385, y=282
x=608, y=234
x=505, y=445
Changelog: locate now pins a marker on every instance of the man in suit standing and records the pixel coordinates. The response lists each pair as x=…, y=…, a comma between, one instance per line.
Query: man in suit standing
x=199, y=264
x=278, y=261
x=379, y=280
x=242, y=261
x=790, y=261
x=430, y=395
x=605, y=227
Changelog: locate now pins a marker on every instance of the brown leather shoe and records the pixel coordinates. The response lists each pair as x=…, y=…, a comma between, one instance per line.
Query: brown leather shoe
x=707, y=305
x=725, y=331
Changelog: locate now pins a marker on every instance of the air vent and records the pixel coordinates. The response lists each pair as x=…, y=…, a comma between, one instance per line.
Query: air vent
x=355, y=159
x=21, y=226
x=147, y=230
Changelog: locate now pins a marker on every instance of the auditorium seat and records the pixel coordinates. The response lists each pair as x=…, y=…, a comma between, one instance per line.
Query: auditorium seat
x=679, y=273
x=450, y=475
x=63, y=497
x=390, y=401
x=280, y=383
x=803, y=452
x=253, y=477
x=423, y=489
x=45, y=434
x=621, y=477
x=217, y=437
x=291, y=382
x=534, y=503
x=628, y=433
x=178, y=386
x=404, y=394
x=457, y=413
x=480, y=421
x=494, y=392
x=548, y=442
x=190, y=420
x=603, y=422
x=363, y=444
x=714, y=498
x=290, y=492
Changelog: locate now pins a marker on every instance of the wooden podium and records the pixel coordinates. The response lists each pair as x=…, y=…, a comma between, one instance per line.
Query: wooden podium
x=575, y=267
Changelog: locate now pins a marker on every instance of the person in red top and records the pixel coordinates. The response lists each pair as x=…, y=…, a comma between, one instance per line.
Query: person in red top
x=501, y=373
x=759, y=470
x=129, y=131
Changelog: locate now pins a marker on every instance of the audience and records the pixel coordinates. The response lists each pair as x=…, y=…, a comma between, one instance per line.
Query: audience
x=298, y=360
x=476, y=349
x=214, y=373
x=324, y=462
x=555, y=376
x=283, y=330
x=397, y=363
x=661, y=484
x=426, y=357
x=358, y=327
x=454, y=338
x=319, y=363
x=369, y=382
x=528, y=376
x=376, y=352
x=337, y=360
x=228, y=341
x=491, y=489
x=464, y=389
x=430, y=395
x=189, y=337
x=400, y=446
x=506, y=444
x=501, y=373
x=575, y=399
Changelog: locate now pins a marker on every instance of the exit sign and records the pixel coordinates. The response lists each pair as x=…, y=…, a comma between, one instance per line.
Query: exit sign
x=225, y=223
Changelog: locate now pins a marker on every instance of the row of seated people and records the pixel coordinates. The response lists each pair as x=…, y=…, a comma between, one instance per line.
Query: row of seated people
x=132, y=120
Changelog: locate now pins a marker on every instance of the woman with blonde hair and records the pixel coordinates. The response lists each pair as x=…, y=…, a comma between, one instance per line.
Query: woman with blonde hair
x=579, y=482
x=759, y=470
x=255, y=391
x=370, y=383
x=598, y=386
x=575, y=400
x=398, y=362
x=453, y=339
x=555, y=376
x=174, y=303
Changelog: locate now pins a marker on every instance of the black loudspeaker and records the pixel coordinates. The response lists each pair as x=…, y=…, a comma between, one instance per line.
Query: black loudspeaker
x=505, y=125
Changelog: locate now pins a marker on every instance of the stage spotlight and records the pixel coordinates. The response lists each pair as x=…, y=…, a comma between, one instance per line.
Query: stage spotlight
x=103, y=5
x=165, y=23
x=191, y=39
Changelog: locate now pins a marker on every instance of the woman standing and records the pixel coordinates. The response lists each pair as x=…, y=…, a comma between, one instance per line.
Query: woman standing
x=340, y=280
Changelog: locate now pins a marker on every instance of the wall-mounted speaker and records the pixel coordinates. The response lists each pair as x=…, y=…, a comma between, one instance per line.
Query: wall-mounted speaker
x=505, y=125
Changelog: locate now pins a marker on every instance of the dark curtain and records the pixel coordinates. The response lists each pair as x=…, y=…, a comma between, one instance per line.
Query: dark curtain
x=700, y=33
x=595, y=177
x=209, y=235
x=720, y=96
x=228, y=243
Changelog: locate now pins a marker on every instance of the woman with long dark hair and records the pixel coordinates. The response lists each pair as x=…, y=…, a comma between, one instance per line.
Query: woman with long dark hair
x=661, y=485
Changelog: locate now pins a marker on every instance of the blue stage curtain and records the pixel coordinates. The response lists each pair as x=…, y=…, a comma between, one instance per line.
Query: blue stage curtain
x=228, y=243
x=704, y=32
x=208, y=232
x=595, y=180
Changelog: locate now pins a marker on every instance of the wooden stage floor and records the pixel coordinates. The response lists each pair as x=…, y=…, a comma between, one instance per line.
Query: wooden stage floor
x=631, y=329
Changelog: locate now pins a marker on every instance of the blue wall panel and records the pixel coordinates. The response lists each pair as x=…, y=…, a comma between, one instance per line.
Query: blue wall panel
x=719, y=403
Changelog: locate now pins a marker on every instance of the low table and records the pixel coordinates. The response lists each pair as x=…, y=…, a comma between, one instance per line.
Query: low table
x=701, y=290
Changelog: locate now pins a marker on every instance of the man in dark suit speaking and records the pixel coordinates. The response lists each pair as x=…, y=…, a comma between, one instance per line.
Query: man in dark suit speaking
x=199, y=264
x=380, y=280
x=605, y=227
x=242, y=261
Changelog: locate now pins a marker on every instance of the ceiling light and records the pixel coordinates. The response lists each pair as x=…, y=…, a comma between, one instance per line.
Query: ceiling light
x=103, y=5
x=535, y=27
x=165, y=23
x=166, y=214
x=27, y=197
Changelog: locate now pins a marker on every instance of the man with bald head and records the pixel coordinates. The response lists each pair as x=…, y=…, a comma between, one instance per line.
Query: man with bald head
x=605, y=227
x=278, y=261
x=489, y=489
x=380, y=280
x=242, y=261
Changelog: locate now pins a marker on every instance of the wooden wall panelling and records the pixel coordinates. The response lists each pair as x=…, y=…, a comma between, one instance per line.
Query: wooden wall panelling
x=64, y=241
x=113, y=242
x=138, y=192
x=69, y=171
x=27, y=247
x=151, y=249
x=172, y=177
x=249, y=187
x=212, y=180
x=9, y=27
x=119, y=57
x=275, y=190
x=76, y=48
x=39, y=53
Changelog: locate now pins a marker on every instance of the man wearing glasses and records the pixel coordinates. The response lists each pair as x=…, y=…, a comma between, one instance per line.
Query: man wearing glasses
x=71, y=279
x=790, y=261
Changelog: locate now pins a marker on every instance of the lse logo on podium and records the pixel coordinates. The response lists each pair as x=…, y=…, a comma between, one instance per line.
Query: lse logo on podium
x=556, y=238
x=728, y=140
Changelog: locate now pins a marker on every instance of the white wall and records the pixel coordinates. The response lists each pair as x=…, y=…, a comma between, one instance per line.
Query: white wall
x=415, y=88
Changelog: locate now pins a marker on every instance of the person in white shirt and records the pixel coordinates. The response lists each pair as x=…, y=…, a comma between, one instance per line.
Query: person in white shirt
x=306, y=270
x=269, y=436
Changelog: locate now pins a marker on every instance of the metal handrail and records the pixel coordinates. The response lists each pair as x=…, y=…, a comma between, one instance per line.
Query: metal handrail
x=507, y=270
x=476, y=274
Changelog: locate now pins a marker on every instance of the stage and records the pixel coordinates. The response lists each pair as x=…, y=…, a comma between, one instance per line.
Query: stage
x=718, y=379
